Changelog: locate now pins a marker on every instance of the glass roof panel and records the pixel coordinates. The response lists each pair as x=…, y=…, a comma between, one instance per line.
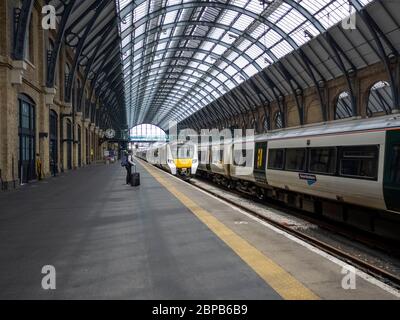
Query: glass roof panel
x=250, y=36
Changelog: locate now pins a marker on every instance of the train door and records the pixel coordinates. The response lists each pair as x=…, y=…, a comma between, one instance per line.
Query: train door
x=260, y=159
x=391, y=180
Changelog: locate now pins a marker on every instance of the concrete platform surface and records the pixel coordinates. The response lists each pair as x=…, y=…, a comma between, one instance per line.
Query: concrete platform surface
x=162, y=240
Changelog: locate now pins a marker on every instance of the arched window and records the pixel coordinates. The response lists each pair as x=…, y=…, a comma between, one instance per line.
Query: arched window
x=343, y=106
x=380, y=99
x=29, y=50
x=278, y=120
x=266, y=124
x=27, y=141
x=87, y=104
x=147, y=132
x=67, y=71
x=78, y=89
x=50, y=48
x=254, y=125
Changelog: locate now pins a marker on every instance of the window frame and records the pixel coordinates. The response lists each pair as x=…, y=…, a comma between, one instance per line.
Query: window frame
x=283, y=159
x=336, y=157
x=304, y=163
x=376, y=158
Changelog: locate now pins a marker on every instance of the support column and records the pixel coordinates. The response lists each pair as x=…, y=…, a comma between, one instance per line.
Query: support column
x=85, y=141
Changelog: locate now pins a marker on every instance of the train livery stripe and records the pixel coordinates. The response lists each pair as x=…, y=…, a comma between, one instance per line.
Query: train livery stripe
x=275, y=276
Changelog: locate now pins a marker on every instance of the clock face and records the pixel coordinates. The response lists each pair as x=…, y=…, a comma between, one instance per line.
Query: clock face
x=110, y=133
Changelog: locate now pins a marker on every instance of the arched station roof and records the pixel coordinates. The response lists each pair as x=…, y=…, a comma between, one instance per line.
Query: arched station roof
x=151, y=61
x=181, y=55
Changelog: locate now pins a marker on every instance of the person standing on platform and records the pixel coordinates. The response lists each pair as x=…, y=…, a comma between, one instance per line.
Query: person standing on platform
x=131, y=163
x=38, y=167
x=127, y=162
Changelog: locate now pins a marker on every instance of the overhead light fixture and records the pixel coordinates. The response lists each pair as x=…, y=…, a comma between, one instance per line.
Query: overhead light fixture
x=266, y=60
x=308, y=34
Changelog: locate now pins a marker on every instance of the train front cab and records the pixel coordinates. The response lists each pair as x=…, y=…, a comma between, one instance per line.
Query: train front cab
x=184, y=157
x=391, y=180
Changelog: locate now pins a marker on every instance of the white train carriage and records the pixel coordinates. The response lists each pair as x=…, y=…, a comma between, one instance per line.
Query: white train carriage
x=177, y=158
x=351, y=161
x=214, y=161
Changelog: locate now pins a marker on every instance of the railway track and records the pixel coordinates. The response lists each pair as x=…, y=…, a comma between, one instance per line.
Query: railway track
x=373, y=270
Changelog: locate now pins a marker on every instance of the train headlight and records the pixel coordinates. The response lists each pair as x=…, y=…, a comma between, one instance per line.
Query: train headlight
x=170, y=161
x=194, y=161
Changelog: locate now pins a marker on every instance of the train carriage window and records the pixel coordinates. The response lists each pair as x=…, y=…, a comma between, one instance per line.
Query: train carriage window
x=359, y=161
x=275, y=158
x=322, y=160
x=295, y=159
x=395, y=168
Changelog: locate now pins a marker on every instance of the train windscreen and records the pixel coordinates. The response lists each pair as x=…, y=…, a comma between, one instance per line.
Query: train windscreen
x=182, y=151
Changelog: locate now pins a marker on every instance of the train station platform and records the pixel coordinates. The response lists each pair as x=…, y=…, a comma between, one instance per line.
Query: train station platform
x=162, y=240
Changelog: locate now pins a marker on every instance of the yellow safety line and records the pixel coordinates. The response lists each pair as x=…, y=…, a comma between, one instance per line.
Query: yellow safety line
x=281, y=281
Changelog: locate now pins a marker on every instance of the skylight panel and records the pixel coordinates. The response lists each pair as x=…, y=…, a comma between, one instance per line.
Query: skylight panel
x=250, y=70
x=230, y=84
x=241, y=62
x=230, y=70
x=254, y=51
x=282, y=49
x=216, y=33
x=229, y=38
x=228, y=17
x=290, y=21
x=232, y=55
x=170, y=17
x=207, y=45
x=219, y=49
x=243, y=22
x=263, y=62
x=270, y=38
x=280, y=12
x=193, y=64
x=138, y=45
x=244, y=44
x=140, y=11
x=222, y=77
x=139, y=30
x=203, y=67
x=214, y=82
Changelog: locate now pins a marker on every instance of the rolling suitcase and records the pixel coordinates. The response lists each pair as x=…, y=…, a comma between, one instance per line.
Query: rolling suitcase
x=135, y=178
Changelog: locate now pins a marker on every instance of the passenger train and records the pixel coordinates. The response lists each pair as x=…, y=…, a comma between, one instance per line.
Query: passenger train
x=177, y=158
x=317, y=168
x=348, y=161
